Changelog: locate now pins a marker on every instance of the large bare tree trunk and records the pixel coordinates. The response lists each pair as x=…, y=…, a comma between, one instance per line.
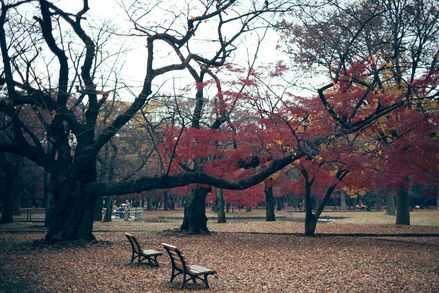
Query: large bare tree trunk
x=71, y=217
x=402, y=206
x=195, y=220
x=72, y=214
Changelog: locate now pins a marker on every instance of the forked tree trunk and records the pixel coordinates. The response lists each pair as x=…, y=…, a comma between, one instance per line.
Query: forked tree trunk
x=310, y=224
x=269, y=203
x=195, y=220
x=402, y=206
x=310, y=218
x=220, y=205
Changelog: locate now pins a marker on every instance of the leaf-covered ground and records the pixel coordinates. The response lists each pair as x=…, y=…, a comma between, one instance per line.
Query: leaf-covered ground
x=249, y=257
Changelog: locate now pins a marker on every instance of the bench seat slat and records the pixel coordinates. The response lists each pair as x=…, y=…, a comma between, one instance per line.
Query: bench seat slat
x=200, y=270
x=151, y=252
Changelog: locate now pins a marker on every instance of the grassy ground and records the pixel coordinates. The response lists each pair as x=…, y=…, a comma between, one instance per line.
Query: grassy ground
x=249, y=255
x=417, y=217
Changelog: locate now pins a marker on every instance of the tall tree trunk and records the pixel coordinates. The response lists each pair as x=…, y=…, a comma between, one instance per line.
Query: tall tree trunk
x=195, y=220
x=310, y=219
x=165, y=201
x=49, y=186
x=108, y=209
x=220, y=205
x=99, y=205
x=149, y=203
x=17, y=199
x=437, y=198
x=9, y=188
x=269, y=202
x=9, y=198
x=280, y=203
x=343, y=205
x=390, y=203
x=402, y=206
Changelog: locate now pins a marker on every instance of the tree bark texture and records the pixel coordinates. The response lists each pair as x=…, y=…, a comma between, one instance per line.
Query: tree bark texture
x=99, y=205
x=269, y=203
x=72, y=214
x=49, y=186
x=108, y=209
x=220, y=205
x=195, y=220
x=310, y=224
x=9, y=188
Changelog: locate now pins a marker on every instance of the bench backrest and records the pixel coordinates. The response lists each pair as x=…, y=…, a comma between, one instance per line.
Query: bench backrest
x=134, y=243
x=177, y=258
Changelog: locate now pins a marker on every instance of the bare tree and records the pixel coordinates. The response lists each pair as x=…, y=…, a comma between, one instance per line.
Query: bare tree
x=67, y=100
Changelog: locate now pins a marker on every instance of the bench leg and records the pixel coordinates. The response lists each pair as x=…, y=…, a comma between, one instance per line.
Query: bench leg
x=206, y=283
x=184, y=281
x=155, y=262
x=173, y=274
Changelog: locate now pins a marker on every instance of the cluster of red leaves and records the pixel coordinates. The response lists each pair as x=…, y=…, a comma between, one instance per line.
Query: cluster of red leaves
x=263, y=136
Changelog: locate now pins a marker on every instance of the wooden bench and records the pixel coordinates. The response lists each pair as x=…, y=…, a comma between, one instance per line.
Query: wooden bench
x=180, y=266
x=142, y=254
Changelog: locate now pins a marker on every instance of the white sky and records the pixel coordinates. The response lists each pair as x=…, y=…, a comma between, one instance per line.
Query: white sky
x=134, y=63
